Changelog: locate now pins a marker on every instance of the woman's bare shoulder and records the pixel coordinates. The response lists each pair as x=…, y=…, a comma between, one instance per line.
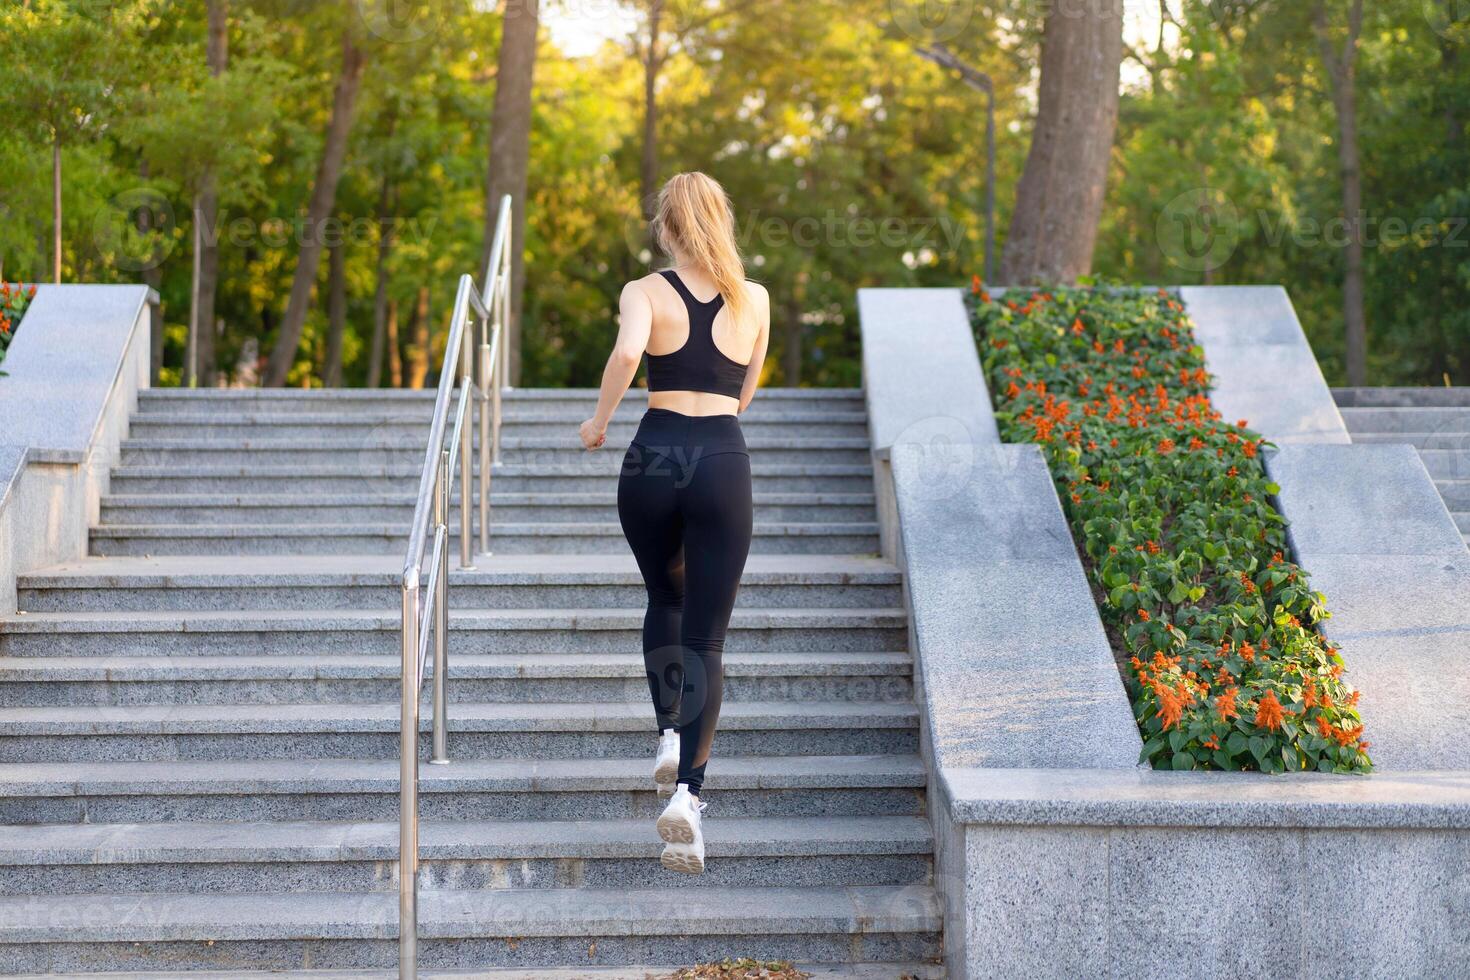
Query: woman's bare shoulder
x=642, y=287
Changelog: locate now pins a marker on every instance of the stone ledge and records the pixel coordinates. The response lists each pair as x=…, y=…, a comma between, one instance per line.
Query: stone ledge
x=1369, y=527
x=1264, y=368
x=66, y=360
x=1143, y=798
x=921, y=375
x=1017, y=669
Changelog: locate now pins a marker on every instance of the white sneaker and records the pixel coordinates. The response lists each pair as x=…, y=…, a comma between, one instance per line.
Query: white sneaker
x=666, y=765
x=684, y=858
x=679, y=828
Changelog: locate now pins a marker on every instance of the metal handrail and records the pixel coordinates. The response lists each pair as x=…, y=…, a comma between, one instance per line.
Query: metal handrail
x=429, y=618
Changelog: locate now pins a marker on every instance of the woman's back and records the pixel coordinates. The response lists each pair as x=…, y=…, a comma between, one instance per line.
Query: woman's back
x=693, y=339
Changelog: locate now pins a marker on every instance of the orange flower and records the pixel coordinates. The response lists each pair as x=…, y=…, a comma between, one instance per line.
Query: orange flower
x=1268, y=712
x=975, y=286
x=1142, y=613
x=1166, y=446
x=1225, y=704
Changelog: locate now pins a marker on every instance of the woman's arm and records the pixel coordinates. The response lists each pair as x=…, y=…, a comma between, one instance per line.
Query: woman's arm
x=761, y=300
x=635, y=321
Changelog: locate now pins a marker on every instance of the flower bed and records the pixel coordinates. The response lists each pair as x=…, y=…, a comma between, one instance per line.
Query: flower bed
x=13, y=302
x=1213, y=625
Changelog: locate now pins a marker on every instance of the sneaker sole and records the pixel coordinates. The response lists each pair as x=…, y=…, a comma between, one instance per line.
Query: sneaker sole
x=665, y=789
x=685, y=860
x=675, y=828
x=667, y=772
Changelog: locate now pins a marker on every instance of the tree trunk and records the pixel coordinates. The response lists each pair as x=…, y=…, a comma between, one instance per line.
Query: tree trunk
x=791, y=347
x=648, y=161
x=380, y=293
x=56, y=207
x=510, y=155
x=1342, y=69
x=208, y=212
x=1060, y=198
x=336, y=312
x=395, y=352
x=418, y=345
x=319, y=211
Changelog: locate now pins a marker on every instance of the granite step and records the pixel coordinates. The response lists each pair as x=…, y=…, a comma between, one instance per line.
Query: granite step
x=1456, y=493
x=1457, y=439
x=511, y=927
x=817, y=971
x=583, y=582
x=538, y=678
x=355, y=399
x=586, y=730
x=313, y=788
x=398, y=472
x=410, y=427
x=1407, y=419
x=320, y=856
x=299, y=452
x=397, y=508
x=1446, y=464
x=1426, y=397
x=579, y=537
x=472, y=631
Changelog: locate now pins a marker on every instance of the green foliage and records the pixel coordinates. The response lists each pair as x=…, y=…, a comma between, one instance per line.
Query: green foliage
x=851, y=161
x=1214, y=626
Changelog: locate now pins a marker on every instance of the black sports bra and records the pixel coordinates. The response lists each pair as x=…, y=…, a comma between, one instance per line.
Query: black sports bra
x=699, y=365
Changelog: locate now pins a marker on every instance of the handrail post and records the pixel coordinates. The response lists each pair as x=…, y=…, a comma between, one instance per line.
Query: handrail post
x=466, y=461
x=502, y=309
x=440, y=754
x=487, y=382
x=408, y=788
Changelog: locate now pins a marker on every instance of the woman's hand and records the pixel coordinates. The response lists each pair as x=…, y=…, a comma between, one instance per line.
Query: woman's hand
x=593, y=434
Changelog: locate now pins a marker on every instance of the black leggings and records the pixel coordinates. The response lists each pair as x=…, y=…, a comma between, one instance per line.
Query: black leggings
x=684, y=502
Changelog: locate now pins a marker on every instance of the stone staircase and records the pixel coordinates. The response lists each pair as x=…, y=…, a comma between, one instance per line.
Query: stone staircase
x=1436, y=421
x=199, y=724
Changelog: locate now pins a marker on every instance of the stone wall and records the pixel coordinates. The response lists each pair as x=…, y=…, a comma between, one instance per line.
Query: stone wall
x=1056, y=856
x=72, y=378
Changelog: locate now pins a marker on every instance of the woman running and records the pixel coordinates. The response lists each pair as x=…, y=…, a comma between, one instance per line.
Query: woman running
x=684, y=492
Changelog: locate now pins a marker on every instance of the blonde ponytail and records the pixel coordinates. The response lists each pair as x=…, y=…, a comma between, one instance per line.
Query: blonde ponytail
x=694, y=220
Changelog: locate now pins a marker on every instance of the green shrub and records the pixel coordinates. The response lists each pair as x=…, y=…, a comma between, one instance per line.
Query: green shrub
x=1213, y=625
